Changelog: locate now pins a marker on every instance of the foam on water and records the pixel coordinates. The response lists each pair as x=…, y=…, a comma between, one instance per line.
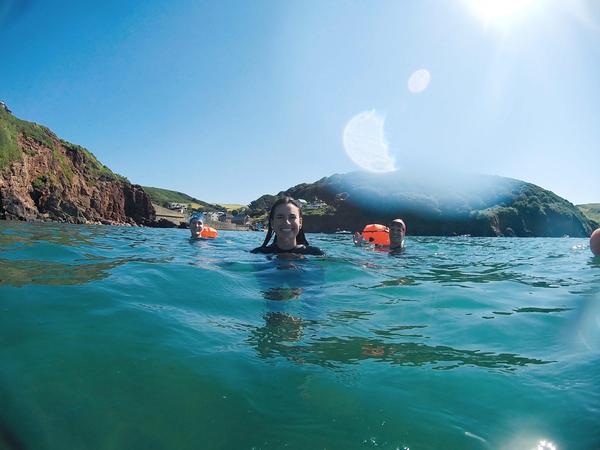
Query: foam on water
x=140, y=338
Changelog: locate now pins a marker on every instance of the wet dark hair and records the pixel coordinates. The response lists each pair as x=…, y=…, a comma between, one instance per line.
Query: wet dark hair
x=301, y=238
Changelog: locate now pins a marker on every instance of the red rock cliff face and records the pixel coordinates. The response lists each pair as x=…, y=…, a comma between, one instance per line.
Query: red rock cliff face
x=67, y=184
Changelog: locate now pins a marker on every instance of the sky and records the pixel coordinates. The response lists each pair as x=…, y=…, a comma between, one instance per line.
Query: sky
x=229, y=100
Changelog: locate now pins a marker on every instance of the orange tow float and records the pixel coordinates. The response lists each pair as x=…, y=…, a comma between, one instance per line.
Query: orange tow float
x=208, y=232
x=377, y=234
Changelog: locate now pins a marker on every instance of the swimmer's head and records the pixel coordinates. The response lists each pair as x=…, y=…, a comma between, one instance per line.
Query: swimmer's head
x=595, y=242
x=398, y=223
x=397, y=232
x=285, y=221
x=196, y=224
x=197, y=217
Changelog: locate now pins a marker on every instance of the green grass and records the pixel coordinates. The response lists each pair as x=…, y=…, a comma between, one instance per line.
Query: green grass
x=232, y=206
x=40, y=182
x=10, y=150
x=264, y=218
x=90, y=162
x=65, y=165
x=47, y=181
x=325, y=211
x=165, y=196
x=11, y=128
x=591, y=211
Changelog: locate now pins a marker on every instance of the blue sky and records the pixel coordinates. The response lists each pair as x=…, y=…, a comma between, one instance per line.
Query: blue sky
x=229, y=100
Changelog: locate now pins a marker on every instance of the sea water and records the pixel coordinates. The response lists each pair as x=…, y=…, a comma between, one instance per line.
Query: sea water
x=137, y=338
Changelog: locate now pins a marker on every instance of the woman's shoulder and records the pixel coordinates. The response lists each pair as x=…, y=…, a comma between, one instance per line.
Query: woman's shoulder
x=262, y=249
x=310, y=250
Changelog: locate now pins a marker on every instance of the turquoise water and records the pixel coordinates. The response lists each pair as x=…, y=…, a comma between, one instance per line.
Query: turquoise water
x=130, y=338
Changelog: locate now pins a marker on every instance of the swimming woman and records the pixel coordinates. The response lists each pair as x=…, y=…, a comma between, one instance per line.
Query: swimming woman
x=285, y=221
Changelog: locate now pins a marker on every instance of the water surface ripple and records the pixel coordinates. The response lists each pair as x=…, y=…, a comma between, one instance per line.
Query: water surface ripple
x=130, y=338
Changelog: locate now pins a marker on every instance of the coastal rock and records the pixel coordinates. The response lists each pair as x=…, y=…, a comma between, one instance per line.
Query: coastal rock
x=45, y=178
x=163, y=223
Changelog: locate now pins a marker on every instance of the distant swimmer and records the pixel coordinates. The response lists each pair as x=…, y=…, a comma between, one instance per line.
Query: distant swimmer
x=285, y=222
x=383, y=237
x=200, y=231
x=595, y=242
x=397, y=233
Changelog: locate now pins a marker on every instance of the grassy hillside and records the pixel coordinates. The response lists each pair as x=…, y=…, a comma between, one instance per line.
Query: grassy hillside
x=61, y=181
x=11, y=128
x=232, y=206
x=591, y=210
x=165, y=196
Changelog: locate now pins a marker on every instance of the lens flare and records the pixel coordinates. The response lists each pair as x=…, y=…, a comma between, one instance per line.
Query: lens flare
x=365, y=143
x=419, y=81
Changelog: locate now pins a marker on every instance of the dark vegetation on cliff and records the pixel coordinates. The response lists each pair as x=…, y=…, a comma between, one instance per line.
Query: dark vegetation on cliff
x=43, y=177
x=479, y=205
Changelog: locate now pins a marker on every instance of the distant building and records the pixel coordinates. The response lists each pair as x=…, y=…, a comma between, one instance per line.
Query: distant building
x=212, y=216
x=318, y=204
x=179, y=207
x=4, y=107
x=241, y=219
x=225, y=217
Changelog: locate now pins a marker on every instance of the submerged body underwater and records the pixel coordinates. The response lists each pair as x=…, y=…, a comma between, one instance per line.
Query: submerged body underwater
x=132, y=338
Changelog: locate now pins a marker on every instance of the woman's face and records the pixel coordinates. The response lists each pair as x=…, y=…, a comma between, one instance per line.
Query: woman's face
x=286, y=221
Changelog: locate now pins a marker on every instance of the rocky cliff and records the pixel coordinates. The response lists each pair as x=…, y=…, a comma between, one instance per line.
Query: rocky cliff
x=445, y=205
x=43, y=177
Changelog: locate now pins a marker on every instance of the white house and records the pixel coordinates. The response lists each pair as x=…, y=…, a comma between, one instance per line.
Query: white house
x=177, y=206
x=315, y=205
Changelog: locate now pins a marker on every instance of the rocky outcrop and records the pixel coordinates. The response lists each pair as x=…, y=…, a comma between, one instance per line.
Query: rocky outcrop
x=46, y=178
x=448, y=205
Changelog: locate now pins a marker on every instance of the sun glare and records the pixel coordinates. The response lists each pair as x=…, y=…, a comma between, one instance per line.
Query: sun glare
x=365, y=142
x=499, y=10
